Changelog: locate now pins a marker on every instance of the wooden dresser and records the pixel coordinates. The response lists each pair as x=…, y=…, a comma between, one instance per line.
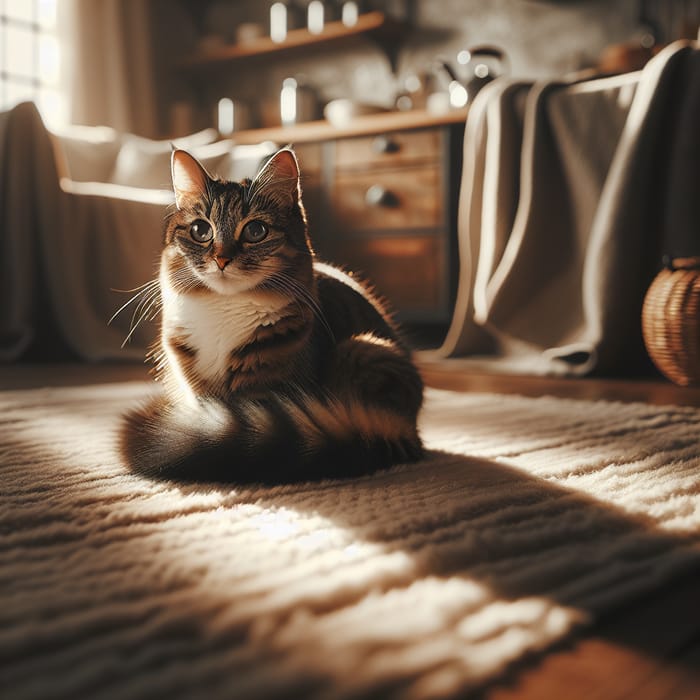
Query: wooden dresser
x=381, y=197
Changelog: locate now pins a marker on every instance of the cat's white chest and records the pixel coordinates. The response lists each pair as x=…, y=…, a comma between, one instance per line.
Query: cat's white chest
x=214, y=325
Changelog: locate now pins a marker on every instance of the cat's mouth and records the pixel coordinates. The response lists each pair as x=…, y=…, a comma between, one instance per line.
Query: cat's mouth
x=231, y=279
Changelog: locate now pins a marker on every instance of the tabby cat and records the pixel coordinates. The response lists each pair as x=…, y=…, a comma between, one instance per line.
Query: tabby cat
x=276, y=367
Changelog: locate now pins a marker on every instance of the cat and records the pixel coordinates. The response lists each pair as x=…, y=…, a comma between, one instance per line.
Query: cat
x=276, y=367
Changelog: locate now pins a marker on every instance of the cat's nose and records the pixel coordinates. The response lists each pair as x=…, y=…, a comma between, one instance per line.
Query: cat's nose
x=222, y=261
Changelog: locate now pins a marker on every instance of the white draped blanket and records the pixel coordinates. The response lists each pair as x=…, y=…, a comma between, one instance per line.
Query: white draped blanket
x=572, y=190
x=532, y=517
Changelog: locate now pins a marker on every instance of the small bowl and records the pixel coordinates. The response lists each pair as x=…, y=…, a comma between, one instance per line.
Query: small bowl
x=341, y=112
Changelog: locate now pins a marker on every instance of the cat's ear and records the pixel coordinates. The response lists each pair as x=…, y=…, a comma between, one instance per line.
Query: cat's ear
x=190, y=179
x=279, y=177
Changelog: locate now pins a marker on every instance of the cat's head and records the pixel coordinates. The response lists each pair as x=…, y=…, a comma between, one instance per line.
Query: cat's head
x=231, y=237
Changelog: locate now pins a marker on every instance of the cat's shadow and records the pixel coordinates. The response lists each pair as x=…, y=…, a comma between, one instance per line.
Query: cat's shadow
x=520, y=535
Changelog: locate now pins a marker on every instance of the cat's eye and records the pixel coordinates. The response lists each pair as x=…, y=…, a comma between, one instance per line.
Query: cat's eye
x=201, y=231
x=254, y=232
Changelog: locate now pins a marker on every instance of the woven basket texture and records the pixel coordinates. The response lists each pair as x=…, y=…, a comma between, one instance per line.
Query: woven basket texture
x=671, y=321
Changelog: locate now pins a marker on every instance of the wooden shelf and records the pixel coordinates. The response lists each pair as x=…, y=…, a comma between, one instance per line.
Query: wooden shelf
x=376, y=25
x=323, y=130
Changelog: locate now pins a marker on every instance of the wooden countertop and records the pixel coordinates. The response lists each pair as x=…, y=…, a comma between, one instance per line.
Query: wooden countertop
x=323, y=130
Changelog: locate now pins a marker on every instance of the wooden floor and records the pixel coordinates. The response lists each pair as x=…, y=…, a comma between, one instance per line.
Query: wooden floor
x=453, y=375
x=647, y=651
x=442, y=375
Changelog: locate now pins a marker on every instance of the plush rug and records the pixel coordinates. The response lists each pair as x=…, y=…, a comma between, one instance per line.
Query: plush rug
x=531, y=518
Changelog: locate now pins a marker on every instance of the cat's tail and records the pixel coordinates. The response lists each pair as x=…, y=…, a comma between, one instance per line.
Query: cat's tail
x=276, y=440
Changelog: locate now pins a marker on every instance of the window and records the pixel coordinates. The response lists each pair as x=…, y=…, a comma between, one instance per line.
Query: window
x=30, y=57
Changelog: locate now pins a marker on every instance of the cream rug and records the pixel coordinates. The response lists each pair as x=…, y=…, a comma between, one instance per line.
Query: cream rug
x=537, y=515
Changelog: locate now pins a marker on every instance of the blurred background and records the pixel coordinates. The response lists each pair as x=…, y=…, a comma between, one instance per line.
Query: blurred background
x=378, y=99
x=141, y=65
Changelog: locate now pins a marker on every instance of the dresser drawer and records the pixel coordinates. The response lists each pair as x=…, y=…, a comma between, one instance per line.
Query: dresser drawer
x=408, y=271
x=389, y=150
x=401, y=199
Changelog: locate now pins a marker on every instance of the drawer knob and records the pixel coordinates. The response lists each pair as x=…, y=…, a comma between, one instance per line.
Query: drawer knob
x=378, y=196
x=384, y=144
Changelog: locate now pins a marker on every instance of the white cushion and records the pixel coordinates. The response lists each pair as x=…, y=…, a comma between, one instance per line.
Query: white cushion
x=89, y=152
x=144, y=162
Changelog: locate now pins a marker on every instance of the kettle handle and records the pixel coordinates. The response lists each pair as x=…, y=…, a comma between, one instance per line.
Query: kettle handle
x=492, y=51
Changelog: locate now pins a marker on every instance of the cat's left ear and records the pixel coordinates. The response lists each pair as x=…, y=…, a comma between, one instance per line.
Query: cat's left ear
x=190, y=179
x=279, y=177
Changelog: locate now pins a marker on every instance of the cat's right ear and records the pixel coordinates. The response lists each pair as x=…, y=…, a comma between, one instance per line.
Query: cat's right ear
x=190, y=179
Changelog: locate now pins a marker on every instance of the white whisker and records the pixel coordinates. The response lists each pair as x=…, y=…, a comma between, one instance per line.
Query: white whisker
x=145, y=289
x=155, y=300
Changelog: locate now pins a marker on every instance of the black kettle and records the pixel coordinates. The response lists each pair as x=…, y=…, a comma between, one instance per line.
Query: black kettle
x=482, y=65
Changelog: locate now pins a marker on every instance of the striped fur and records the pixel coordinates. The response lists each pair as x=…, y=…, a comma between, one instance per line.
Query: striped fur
x=276, y=367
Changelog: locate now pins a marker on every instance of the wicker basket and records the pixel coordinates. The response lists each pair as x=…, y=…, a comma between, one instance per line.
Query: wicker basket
x=671, y=321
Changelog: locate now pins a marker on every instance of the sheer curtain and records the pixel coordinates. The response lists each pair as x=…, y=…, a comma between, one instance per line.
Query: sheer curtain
x=111, y=64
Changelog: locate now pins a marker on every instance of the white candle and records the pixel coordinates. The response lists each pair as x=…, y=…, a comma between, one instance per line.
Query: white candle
x=288, y=102
x=278, y=22
x=225, y=123
x=314, y=17
x=350, y=13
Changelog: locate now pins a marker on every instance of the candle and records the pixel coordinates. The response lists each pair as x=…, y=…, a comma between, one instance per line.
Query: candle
x=314, y=17
x=350, y=13
x=278, y=22
x=288, y=102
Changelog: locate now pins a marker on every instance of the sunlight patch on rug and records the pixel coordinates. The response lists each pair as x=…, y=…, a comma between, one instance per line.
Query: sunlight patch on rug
x=530, y=517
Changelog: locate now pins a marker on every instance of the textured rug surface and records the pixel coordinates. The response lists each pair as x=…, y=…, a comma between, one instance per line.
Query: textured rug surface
x=530, y=518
